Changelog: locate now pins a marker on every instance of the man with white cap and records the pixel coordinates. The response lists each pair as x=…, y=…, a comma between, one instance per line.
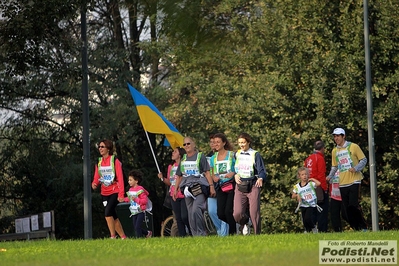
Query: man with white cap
x=349, y=159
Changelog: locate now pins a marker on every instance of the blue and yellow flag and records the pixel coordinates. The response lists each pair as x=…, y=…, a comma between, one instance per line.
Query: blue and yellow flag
x=153, y=121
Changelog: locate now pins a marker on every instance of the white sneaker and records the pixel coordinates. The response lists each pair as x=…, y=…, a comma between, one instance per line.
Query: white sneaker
x=246, y=230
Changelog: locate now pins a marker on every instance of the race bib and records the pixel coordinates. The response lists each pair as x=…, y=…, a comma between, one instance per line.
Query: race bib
x=190, y=168
x=344, y=160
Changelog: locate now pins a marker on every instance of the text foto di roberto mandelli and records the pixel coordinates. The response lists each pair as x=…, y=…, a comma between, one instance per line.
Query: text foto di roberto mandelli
x=358, y=243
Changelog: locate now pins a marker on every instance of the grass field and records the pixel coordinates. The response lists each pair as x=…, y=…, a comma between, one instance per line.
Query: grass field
x=279, y=249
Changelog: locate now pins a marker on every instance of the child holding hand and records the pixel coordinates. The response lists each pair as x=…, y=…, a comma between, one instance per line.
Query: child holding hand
x=305, y=193
x=139, y=202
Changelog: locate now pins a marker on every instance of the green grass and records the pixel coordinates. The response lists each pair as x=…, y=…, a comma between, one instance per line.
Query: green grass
x=279, y=249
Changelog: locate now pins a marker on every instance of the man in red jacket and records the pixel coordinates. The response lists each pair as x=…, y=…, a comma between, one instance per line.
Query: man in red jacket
x=317, y=169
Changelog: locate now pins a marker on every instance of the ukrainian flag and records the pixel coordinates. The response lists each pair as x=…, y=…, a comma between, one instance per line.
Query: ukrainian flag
x=153, y=121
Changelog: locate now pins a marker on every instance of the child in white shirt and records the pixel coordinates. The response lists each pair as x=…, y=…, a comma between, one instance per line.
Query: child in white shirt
x=139, y=203
x=305, y=193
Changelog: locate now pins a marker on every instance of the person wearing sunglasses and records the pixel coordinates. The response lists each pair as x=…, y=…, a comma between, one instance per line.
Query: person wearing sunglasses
x=195, y=181
x=108, y=173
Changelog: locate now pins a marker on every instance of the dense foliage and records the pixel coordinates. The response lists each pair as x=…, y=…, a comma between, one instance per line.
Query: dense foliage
x=287, y=72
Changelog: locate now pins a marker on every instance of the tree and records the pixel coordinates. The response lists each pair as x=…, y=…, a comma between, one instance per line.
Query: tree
x=40, y=88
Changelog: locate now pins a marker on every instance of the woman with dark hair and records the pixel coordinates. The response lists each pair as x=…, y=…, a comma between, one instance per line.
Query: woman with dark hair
x=222, y=228
x=222, y=172
x=250, y=175
x=178, y=203
x=108, y=173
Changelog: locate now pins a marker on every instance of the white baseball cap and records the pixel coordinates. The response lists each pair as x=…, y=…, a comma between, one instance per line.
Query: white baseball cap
x=338, y=131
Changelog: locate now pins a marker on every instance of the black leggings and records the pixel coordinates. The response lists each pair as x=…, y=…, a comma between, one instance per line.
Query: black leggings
x=110, y=208
x=308, y=218
x=225, y=203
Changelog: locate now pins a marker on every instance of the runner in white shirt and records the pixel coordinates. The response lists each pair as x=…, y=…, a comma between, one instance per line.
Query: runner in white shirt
x=305, y=193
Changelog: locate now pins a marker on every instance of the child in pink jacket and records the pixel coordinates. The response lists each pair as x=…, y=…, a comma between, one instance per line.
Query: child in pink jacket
x=139, y=202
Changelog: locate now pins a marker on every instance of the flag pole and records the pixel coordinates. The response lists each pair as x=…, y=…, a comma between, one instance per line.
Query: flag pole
x=152, y=150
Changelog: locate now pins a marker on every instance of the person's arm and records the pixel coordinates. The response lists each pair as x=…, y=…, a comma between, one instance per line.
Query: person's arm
x=95, y=182
x=126, y=199
x=295, y=195
x=142, y=199
x=177, y=187
x=315, y=181
x=236, y=175
x=204, y=169
x=334, y=165
x=211, y=171
x=362, y=163
x=260, y=168
x=211, y=186
x=165, y=179
x=232, y=169
x=178, y=181
x=332, y=172
x=119, y=180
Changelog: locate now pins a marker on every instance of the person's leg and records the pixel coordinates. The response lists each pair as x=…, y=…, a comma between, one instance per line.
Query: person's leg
x=307, y=216
x=174, y=231
x=355, y=215
x=303, y=213
x=111, y=218
x=134, y=219
x=345, y=202
x=138, y=223
x=221, y=198
x=184, y=215
x=225, y=209
x=190, y=214
x=119, y=228
x=240, y=207
x=322, y=217
x=196, y=215
x=254, y=209
x=343, y=213
x=117, y=224
x=212, y=211
x=111, y=225
x=147, y=233
x=335, y=212
x=176, y=206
